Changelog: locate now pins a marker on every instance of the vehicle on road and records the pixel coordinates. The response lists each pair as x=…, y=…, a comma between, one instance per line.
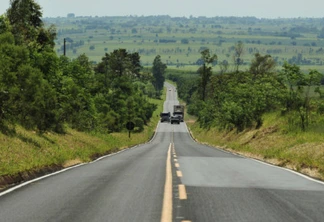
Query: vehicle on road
x=165, y=117
x=178, y=110
x=175, y=119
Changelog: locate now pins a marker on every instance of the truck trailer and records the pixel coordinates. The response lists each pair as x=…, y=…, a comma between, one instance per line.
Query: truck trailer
x=178, y=110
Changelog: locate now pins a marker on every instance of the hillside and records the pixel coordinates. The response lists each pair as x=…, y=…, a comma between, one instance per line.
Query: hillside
x=24, y=154
x=300, y=151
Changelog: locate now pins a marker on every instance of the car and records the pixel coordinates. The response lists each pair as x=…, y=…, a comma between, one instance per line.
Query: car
x=165, y=117
x=175, y=119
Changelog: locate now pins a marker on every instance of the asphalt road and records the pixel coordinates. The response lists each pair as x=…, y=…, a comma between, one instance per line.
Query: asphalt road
x=207, y=185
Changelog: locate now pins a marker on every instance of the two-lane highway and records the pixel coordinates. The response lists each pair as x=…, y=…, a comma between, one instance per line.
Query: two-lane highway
x=221, y=186
x=171, y=177
x=225, y=187
x=128, y=186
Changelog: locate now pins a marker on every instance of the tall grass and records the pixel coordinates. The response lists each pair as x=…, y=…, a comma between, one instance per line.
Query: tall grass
x=22, y=150
x=300, y=151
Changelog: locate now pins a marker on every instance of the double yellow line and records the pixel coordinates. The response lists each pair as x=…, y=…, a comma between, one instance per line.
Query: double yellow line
x=167, y=200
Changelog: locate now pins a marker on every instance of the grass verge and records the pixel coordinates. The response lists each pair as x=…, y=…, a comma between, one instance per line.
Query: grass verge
x=25, y=154
x=299, y=151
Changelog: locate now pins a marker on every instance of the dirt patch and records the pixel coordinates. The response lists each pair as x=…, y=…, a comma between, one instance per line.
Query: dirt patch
x=312, y=173
x=70, y=163
x=245, y=154
x=113, y=150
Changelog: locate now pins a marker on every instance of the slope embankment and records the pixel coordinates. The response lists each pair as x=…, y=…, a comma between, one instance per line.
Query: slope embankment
x=273, y=143
x=25, y=155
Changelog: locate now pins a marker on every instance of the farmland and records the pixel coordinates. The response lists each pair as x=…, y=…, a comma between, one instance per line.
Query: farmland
x=180, y=40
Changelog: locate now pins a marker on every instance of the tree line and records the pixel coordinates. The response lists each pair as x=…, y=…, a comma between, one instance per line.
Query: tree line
x=42, y=91
x=239, y=99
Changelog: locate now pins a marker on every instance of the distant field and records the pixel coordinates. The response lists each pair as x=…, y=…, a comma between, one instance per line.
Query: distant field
x=180, y=40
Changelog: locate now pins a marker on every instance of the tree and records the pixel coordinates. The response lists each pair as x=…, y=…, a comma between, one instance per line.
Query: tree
x=27, y=26
x=4, y=24
x=122, y=98
x=184, y=41
x=223, y=66
x=298, y=92
x=12, y=57
x=136, y=65
x=36, y=99
x=295, y=80
x=205, y=71
x=25, y=18
x=238, y=52
x=158, y=71
x=321, y=34
x=262, y=65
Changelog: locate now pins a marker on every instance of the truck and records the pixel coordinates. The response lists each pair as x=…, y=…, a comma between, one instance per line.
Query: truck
x=165, y=116
x=178, y=110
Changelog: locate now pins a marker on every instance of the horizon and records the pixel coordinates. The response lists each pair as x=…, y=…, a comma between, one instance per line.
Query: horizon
x=222, y=8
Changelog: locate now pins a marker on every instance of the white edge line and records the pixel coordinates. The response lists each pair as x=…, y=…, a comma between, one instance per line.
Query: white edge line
x=154, y=135
x=16, y=187
x=260, y=161
x=289, y=170
x=37, y=179
x=69, y=168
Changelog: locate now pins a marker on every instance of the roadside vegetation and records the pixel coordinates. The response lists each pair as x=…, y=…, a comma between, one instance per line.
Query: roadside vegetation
x=54, y=109
x=260, y=112
x=179, y=40
x=272, y=143
x=25, y=150
x=252, y=86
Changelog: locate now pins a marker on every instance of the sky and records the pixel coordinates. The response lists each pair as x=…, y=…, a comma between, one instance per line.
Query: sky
x=181, y=8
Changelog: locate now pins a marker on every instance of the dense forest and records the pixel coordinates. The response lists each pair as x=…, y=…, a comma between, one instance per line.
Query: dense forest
x=43, y=91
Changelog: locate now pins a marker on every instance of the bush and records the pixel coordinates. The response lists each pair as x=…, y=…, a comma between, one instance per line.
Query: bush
x=139, y=124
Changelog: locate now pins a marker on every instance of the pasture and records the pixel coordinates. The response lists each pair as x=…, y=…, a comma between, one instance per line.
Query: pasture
x=179, y=40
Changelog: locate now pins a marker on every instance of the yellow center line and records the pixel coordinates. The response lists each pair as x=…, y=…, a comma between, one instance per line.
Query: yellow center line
x=179, y=173
x=182, y=192
x=167, y=199
x=175, y=160
x=177, y=165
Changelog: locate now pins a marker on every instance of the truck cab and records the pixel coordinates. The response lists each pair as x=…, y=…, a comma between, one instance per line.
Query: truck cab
x=178, y=110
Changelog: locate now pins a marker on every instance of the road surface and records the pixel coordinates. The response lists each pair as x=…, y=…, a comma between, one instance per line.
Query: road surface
x=172, y=178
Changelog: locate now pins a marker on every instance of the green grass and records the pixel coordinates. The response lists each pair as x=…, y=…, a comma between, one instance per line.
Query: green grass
x=23, y=150
x=300, y=151
x=177, y=54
